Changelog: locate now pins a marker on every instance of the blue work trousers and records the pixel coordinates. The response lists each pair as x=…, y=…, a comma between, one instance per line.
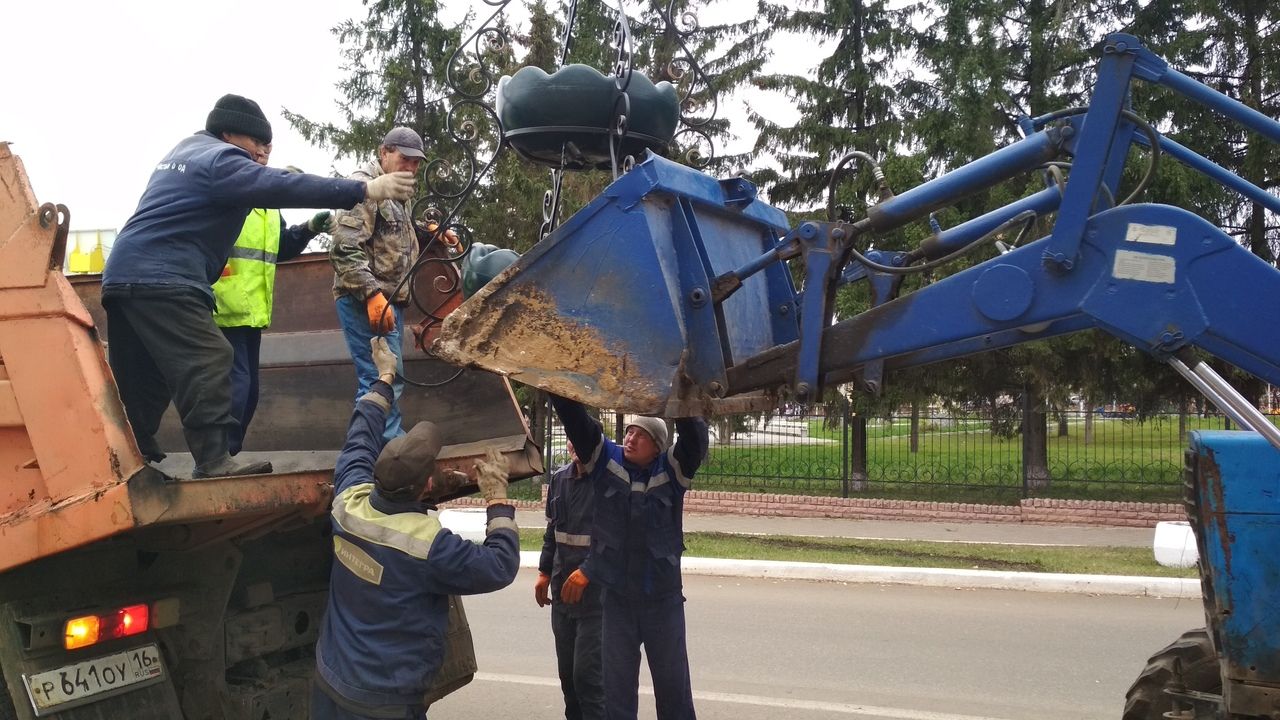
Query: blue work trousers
x=246, y=346
x=324, y=707
x=578, y=647
x=355, y=329
x=657, y=623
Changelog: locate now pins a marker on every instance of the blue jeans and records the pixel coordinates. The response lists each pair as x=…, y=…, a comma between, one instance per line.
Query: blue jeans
x=355, y=329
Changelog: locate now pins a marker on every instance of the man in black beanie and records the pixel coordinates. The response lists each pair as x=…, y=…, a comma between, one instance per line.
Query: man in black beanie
x=163, y=343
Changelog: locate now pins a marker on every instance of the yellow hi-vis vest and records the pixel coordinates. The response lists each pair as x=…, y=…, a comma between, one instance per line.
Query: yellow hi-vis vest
x=247, y=286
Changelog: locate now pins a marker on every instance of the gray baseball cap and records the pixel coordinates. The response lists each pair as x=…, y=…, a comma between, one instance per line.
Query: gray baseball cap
x=408, y=142
x=406, y=462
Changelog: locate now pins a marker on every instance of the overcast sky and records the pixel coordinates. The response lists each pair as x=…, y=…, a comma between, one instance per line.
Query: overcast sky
x=96, y=93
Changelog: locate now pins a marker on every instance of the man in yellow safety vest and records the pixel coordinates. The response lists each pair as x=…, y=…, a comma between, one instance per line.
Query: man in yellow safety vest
x=244, y=296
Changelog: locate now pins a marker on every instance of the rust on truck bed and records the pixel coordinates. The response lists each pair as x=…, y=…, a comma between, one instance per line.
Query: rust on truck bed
x=70, y=470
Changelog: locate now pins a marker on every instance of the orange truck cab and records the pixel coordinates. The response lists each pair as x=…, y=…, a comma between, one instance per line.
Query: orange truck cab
x=128, y=590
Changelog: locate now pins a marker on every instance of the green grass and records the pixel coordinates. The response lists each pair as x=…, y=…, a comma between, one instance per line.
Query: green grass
x=961, y=461
x=911, y=553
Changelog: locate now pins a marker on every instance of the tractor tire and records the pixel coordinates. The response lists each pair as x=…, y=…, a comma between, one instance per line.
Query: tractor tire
x=1147, y=700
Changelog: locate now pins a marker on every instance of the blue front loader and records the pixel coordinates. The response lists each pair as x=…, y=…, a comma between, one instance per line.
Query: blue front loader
x=671, y=294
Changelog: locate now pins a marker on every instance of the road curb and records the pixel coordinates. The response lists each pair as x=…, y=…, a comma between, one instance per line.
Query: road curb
x=1188, y=588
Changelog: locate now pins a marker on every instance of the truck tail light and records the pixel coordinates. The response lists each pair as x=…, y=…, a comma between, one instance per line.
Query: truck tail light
x=88, y=630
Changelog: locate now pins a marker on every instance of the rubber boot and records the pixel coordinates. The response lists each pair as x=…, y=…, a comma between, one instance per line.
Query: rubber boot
x=209, y=449
x=150, y=449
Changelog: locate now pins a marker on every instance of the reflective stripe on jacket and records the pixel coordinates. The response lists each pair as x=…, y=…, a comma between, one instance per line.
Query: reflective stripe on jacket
x=567, y=539
x=245, y=292
x=382, y=637
x=637, y=536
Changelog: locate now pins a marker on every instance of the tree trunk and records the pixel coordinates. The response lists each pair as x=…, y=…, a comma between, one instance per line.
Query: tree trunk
x=1182, y=420
x=1062, y=423
x=1088, y=425
x=858, y=453
x=915, y=426
x=1035, y=444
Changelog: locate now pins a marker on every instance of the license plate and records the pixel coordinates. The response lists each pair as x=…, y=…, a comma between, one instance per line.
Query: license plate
x=81, y=681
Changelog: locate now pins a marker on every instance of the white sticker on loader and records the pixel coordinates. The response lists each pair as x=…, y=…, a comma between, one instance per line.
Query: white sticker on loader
x=1153, y=234
x=1144, y=267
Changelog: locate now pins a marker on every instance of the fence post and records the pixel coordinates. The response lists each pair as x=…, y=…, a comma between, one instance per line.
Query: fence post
x=844, y=447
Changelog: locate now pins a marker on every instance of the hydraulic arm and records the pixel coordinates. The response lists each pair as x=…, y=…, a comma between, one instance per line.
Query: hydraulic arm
x=670, y=294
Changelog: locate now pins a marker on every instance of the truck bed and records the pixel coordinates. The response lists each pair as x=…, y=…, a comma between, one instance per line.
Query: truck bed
x=70, y=470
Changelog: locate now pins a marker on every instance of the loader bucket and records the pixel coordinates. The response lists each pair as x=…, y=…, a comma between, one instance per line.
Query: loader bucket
x=615, y=309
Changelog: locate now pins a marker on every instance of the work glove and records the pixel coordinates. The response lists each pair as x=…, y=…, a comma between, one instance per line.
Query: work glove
x=383, y=357
x=448, y=237
x=382, y=319
x=540, y=589
x=574, y=586
x=391, y=186
x=321, y=222
x=491, y=476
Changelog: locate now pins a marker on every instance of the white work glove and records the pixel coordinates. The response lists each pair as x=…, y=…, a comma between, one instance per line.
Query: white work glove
x=383, y=359
x=491, y=476
x=391, y=186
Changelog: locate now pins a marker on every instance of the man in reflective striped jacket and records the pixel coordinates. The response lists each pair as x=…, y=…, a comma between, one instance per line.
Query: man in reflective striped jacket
x=637, y=539
x=575, y=610
x=245, y=294
x=382, y=639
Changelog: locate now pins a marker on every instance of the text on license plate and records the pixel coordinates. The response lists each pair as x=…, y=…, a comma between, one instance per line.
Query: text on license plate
x=91, y=677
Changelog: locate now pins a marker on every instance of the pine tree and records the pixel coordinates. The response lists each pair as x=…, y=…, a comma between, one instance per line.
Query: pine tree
x=1234, y=48
x=849, y=103
x=396, y=58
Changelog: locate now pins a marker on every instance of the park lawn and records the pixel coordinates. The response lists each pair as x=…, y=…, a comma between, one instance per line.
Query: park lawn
x=912, y=553
x=1128, y=460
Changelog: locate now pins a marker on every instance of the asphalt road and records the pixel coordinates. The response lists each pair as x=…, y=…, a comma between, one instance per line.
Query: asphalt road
x=813, y=651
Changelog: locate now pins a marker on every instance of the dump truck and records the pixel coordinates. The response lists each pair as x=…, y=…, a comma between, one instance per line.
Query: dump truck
x=673, y=293
x=129, y=590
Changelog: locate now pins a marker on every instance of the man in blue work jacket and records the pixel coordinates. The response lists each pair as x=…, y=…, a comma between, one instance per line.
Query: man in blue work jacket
x=383, y=635
x=637, y=539
x=575, y=606
x=162, y=342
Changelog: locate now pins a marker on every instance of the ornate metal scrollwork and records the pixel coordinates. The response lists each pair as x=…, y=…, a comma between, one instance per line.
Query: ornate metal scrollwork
x=685, y=70
x=474, y=131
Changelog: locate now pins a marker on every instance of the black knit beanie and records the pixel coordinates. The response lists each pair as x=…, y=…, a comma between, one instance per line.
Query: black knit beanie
x=236, y=114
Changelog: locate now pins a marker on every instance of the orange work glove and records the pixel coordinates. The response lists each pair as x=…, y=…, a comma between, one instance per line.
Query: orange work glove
x=382, y=319
x=574, y=586
x=449, y=238
x=540, y=590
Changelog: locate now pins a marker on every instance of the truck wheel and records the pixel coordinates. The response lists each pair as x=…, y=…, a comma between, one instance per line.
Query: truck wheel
x=1146, y=699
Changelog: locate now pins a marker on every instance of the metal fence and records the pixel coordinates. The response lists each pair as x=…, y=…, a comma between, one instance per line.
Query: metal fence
x=952, y=457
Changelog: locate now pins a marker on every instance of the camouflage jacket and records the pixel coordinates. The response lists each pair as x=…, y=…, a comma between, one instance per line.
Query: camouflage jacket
x=373, y=247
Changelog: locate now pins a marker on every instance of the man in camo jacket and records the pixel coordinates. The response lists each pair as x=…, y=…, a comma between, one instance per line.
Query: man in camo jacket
x=374, y=247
